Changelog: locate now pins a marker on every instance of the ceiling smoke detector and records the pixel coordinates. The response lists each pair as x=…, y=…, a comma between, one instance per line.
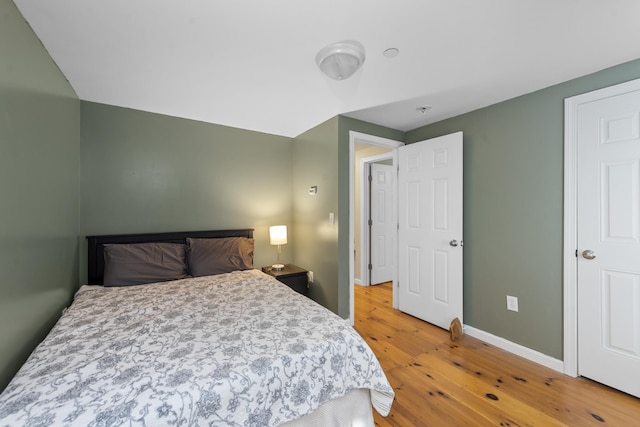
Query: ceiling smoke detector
x=423, y=109
x=391, y=53
x=340, y=60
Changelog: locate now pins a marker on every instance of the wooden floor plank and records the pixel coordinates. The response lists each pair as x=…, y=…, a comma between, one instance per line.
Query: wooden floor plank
x=471, y=383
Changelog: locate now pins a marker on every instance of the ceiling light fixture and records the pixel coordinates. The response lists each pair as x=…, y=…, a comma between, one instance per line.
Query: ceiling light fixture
x=423, y=109
x=340, y=60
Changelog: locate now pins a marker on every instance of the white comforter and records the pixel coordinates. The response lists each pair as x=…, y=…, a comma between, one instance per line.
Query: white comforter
x=237, y=349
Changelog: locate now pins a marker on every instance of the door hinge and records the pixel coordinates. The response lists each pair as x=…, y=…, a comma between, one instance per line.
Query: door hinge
x=370, y=267
x=370, y=222
x=370, y=178
x=576, y=253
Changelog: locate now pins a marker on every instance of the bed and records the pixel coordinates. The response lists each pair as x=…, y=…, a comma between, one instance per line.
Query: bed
x=210, y=341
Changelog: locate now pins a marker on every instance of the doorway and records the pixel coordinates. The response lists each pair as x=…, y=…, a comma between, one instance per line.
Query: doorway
x=377, y=225
x=361, y=139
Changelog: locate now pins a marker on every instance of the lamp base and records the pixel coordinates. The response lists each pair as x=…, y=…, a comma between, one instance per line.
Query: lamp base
x=277, y=267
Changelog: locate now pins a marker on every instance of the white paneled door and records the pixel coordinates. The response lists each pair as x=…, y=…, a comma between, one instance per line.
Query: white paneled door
x=383, y=228
x=608, y=204
x=430, y=229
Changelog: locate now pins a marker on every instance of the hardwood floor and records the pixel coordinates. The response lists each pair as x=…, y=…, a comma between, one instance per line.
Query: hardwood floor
x=470, y=383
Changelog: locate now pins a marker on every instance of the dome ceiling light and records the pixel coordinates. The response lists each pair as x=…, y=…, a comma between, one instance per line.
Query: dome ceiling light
x=340, y=60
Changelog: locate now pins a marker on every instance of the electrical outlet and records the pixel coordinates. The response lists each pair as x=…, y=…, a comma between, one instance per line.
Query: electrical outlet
x=310, y=276
x=512, y=303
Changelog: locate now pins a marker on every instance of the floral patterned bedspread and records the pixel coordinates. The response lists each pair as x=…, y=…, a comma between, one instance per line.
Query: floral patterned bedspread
x=236, y=349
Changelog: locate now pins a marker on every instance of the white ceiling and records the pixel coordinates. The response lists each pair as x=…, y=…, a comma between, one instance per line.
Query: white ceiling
x=251, y=63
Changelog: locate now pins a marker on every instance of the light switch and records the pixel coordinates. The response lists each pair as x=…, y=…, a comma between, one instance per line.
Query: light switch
x=332, y=218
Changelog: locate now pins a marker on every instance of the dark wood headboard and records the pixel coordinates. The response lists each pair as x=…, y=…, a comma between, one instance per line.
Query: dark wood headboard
x=95, y=256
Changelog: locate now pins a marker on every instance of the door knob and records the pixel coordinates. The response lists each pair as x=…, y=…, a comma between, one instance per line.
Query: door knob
x=453, y=243
x=588, y=254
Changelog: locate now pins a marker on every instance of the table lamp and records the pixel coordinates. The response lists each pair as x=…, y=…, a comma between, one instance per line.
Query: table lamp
x=278, y=236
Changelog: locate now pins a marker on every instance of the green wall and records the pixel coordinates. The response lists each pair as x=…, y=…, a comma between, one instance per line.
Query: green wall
x=39, y=162
x=145, y=172
x=321, y=157
x=315, y=162
x=513, y=196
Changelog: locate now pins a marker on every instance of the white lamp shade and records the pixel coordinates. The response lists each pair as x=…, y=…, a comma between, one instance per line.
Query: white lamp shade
x=278, y=234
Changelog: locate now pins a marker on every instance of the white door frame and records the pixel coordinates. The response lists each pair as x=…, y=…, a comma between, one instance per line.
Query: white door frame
x=570, y=234
x=358, y=137
x=365, y=273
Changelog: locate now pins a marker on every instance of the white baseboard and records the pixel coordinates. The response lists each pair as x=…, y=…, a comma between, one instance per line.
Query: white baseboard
x=357, y=282
x=517, y=349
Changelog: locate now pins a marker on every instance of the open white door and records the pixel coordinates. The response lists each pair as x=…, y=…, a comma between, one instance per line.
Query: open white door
x=382, y=224
x=430, y=229
x=608, y=236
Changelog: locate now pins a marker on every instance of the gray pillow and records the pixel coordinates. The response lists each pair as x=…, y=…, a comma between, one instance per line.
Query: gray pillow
x=135, y=264
x=220, y=255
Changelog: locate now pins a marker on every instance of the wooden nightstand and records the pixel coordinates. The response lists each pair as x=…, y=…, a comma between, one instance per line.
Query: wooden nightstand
x=292, y=276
